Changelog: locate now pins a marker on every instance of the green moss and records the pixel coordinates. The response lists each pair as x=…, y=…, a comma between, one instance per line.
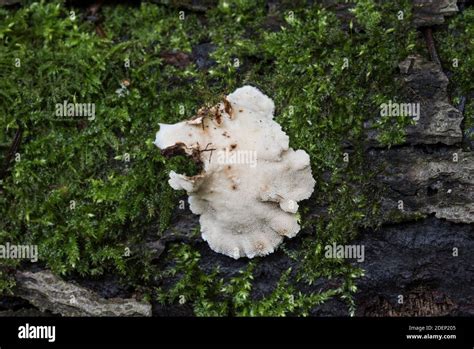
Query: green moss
x=456, y=50
x=398, y=216
x=455, y=45
x=214, y=296
x=72, y=191
x=320, y=103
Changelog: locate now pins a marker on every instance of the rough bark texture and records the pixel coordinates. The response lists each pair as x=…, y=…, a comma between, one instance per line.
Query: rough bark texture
x=424, y=180
x=415, y=260
x=48, y=292
x=430, y=173
x=427, y=84
x=428, y=13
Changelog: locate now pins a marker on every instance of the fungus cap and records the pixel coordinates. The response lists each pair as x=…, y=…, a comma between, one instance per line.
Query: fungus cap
x=251, y=180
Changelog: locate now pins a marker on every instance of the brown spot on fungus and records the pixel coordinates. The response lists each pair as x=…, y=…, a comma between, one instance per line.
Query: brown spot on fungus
x=227, y=107
x=283, y=232
x=218, y=117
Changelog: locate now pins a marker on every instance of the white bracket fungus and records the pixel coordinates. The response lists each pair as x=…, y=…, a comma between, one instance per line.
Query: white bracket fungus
x=251, y=180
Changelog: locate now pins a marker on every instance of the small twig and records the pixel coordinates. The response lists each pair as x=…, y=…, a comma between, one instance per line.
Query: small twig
x=428, y=33
x=211, y=150
x=93, y=11
x=462, y=104
x=100, y=31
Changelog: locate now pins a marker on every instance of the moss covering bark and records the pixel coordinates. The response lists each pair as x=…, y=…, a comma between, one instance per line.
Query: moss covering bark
x=86, y=191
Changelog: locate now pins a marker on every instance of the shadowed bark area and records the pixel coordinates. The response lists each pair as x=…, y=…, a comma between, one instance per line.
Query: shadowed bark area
x=427, y=262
